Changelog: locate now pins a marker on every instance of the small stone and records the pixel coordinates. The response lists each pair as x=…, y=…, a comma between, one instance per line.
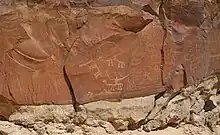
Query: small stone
x=218, y=130
x=173, y=119
x=25, y=118
x=108, y=127
x=177, y=110
x=40, y=128
x=52, y=129
x=80, y=117
x=92, y=122
x=87, y=130
x=120, y=125
x=215, y=99
x=70, y=128
x=78, y=131
x=152, y=125
x=12, y=129
x=211, y=118
x=198, y=105
x=198, y=119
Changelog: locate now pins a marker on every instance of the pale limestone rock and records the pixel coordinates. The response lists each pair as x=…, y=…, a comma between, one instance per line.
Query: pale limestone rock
x=92, y=122
x=48, y=113
x=80, y=117
x=135, y=109
x=107, y=126
x=152, y=125
x=198, y=119
x=12, y=129
x=120, y=125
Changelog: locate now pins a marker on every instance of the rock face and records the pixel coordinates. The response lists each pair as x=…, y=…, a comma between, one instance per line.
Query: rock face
x=195, y=111
x=109, y=53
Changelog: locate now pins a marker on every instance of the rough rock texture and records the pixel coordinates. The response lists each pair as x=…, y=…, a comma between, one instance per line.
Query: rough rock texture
x=106, y=52
x=34, y=54
x=193, y=111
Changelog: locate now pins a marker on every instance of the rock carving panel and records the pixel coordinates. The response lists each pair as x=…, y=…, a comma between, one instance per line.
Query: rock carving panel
x=106, y=56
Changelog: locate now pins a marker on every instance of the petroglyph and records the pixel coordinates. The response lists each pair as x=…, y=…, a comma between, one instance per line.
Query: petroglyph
x=120, y=64
x=29, y=57
x=116, y=84
x=93, y=67
x=113, y=84
x=29, y=68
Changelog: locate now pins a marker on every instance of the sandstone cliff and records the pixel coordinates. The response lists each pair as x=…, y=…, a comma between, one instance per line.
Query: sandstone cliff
x=59, y=52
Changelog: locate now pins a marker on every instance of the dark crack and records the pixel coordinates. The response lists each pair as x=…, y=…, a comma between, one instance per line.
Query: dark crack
x=148, y=8
x=162, y=66
x=68, y=82
x=162, y=20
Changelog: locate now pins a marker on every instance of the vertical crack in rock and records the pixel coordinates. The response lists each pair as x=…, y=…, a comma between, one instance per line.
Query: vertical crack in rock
x=68, y=82
x=162, y=64
x=161, y=16
x=162, y=19
x=185, y=82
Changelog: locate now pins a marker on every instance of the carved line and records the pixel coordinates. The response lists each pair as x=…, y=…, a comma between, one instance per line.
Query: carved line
x=24, y=55
x=20, y=63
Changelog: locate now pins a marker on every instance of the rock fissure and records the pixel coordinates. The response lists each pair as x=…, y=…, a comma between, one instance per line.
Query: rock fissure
x=68, y=82
x=162, y=19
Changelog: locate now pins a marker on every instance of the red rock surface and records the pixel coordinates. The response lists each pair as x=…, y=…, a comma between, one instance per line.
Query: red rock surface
x=115, y=52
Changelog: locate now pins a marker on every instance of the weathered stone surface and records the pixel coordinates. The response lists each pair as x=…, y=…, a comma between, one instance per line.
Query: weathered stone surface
x=93, y=114
x=12, y=129
x=185, y=112
x=152, y=125
x=7, y=108
x=110, y=111
x=105, y=62
x=28, y=115
x=187, y=107
x=195, y=47
x=107, y=126
x=120, y=125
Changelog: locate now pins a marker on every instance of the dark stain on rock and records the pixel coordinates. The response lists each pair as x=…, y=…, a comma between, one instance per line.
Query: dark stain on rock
x=209, y=105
